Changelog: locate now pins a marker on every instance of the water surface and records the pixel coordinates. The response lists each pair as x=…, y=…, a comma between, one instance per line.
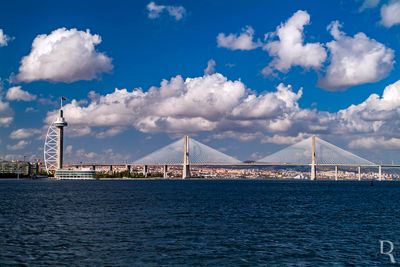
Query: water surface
x=191, y=222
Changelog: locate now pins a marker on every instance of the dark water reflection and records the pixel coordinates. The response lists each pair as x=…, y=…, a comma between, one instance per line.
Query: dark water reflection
x=215, y=223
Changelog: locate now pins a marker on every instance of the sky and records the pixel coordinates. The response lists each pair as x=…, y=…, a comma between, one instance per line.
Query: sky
x=245, y=77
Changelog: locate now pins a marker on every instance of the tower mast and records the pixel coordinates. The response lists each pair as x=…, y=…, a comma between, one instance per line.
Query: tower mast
x=186, y=164
x=60, y=123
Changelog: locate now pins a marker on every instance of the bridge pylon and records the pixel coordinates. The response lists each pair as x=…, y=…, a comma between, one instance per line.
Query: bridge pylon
x=313, y=174
x=186, y=166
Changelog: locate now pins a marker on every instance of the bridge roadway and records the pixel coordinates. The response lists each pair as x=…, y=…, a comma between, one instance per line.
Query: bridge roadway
x=87, y=165
x=128, y=167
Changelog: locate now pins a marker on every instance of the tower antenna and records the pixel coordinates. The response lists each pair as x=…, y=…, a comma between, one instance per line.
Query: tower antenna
x=63, y=98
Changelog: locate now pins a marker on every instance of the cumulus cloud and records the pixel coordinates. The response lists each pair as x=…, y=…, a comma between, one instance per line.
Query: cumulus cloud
x=180, y=105
x=375, y=142
x=355, y=60
x=155, y=11
x=64, y=56
x=242, y=136
x=284, y=140
x=367, y=4
x=376, y=115
x=228, y=109
x=113, y=131
x=24, y=133
x=4, y=38
x=18, y=146
x=30, y=109
x=78, y=130
x=6, y=114
x=390, y=14
x=290, y=50
x=83, y=154
x=210, y=67
x=242, y=41
x=69, y=150
x=106, y=155
x=16, y=93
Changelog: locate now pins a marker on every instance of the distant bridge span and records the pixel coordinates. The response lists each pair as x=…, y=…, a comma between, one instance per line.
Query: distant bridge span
x=310, y=152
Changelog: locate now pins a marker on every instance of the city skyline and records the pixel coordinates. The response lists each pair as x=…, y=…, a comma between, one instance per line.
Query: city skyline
x=150, y=72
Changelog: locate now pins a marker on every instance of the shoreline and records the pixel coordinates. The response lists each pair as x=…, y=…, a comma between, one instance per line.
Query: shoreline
x=197, y=179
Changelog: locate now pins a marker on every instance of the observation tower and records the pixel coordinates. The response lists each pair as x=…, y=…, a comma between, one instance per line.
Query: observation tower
x=60, y=123
x=54, y=152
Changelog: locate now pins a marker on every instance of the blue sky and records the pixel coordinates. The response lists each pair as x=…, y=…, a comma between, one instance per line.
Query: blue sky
x=140, y=50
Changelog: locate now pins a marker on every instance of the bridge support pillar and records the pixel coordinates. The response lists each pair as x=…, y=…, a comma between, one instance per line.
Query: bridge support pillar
x=110, y=170
x=145, y=170
x=359, y=173
x=185, y=171
x=380, y=173
x=30, y=173
x=336, y=173
x=165, y=171
x=313, y=175
x=186, y=166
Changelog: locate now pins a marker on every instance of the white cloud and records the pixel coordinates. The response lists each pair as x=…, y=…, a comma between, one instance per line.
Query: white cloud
x=210, y=67
x=4, y=38
x=78, y=131
x=6, y=114
x=155, y=11
x=242, y=136
x=69, y=150
x=24, y=133
x=228, y=109
x=390, y=14
x=113, y=131
x=290, y=50
x=284, y=140
x=31, y=109
x=83, y=154
x=16, y=93
x=18, y=146
x=106, y=155
x=243, y=41
x=367, y=4
x=355, y=60
x=110, y=155
x=197, y=104
x=376, y=117
x=375, y=142
x=64, y=56
x=268, y=105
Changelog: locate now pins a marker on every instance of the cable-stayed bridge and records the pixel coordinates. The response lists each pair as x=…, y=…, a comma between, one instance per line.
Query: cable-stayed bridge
x=325, y=153
x=197, y=154
x=186, y=152
x=311, y=152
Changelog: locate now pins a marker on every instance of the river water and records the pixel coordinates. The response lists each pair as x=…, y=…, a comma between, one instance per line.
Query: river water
x=194, y=222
